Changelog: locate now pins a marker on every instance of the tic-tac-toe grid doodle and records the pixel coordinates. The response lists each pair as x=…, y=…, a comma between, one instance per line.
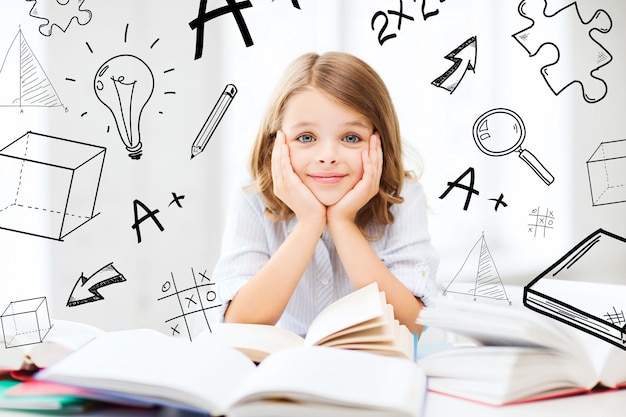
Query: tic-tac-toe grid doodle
x=193, y=302
x=541, y=221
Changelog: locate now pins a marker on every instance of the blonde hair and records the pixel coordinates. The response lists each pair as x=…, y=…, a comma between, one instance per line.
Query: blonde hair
x=353, y=83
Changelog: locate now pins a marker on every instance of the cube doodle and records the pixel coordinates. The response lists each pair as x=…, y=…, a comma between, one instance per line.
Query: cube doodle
x=607, y=173
x=579, y=54
x=49, y=185
x=25, y=322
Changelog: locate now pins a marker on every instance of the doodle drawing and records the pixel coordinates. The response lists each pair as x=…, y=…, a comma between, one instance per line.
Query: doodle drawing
x=464, y=59
x=214, y=118
x=195, y=299
x=540, y=223
x=483, y=273
x=59, y=13
x=25, y=322
x=585, y=288
x=579, y=54
x=607, y=173
x=23, y=81
x=499, y=132
x=124, y=84
x=49, y=185
x=86, y=288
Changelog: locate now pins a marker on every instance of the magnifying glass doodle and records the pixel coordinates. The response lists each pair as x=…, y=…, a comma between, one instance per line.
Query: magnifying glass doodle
x=500, y=132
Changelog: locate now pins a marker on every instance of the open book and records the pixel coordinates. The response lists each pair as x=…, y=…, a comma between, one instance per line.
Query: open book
x=63, y=338
x=145, y=365
x=518, y=355
x=362, y=320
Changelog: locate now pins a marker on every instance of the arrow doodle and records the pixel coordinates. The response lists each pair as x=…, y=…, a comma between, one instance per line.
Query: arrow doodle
x=86, y=288
x=466, y=52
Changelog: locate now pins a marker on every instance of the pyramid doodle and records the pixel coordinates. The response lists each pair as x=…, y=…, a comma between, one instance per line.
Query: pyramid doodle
x=23, y=81
x=479, y=268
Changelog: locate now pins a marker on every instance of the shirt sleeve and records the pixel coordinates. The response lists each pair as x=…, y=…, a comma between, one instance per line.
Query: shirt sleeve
x=244, y=248
x=408, y=252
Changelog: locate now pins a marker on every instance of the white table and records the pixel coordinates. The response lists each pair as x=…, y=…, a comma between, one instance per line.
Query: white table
x=606, y=404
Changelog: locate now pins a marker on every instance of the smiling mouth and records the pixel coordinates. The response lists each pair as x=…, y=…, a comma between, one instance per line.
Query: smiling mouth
x=327, y=178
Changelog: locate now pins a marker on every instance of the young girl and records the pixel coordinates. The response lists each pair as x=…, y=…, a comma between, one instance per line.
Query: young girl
x=331, y=208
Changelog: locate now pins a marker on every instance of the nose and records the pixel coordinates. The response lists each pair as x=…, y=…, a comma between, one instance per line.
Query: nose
x=327, y=152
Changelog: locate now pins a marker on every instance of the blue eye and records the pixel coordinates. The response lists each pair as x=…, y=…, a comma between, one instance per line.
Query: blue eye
x=352, y=139
x=306, y=138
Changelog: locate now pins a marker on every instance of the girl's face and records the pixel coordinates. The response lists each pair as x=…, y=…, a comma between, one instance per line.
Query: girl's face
x=325, y=140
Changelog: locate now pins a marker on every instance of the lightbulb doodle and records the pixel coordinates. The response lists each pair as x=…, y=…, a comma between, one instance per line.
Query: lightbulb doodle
x=59, y=13
x=500, y=132
x=23, y=80
x=194, y=300
x=124, y=84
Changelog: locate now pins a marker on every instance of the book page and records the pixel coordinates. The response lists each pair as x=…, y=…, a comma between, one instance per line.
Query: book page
x=257, y=341
x=339, y=377
x=145, y=364
x=360, y=306
x=63, y=338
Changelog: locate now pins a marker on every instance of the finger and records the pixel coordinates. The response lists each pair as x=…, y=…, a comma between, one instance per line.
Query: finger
x=277, y=157
x=378, y=152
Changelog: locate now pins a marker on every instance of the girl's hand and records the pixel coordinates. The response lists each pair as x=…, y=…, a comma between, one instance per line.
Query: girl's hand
x=347, y=208
x=290, y=189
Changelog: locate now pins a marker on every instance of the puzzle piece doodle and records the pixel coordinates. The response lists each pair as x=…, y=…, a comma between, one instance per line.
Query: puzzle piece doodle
x=59, y=13
x=579, y=54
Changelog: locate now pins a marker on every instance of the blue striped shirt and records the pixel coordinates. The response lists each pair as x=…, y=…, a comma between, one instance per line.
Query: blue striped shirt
x=251, y=238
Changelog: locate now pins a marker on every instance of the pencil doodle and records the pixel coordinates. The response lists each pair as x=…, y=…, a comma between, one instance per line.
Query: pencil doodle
x=606, y=170
x=197, y=298
x=540, y=223
x=124, y=84
x=570, y=292
x=464, y=60
x=23, y=81
x=59, y=13
x=49, y=185
x=25, y=322
x=579, y=54
x=499, y=132
x=214, y=118
x=85, y=289
x=484, y=274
